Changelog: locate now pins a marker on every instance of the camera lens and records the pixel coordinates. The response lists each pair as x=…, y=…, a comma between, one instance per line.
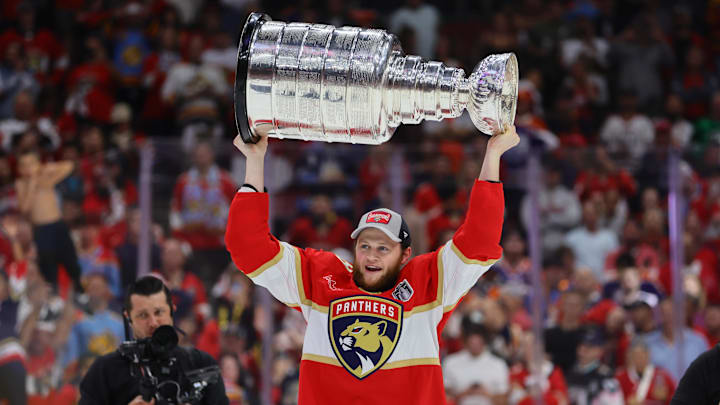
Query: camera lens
x=163, y=341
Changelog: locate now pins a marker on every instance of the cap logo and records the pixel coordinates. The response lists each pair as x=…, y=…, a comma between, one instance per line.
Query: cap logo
x=378, y=217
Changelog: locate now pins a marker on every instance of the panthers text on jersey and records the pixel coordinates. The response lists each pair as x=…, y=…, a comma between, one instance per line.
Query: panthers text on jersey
x=360, y=347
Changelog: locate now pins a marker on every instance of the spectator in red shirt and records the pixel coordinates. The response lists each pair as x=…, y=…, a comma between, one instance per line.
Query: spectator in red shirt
x=602, y=175
x=322, y=227
x=45, y=329
x=156, y=113
x=199, y=209
x=92, y=170
x=701, y=262
x=180, y=281
x=373, y=174
x=589, y=91
x=694, y=84
x=654, y=242
x=707, y=202
x=426, y=205
x=524, y=385
x=646, y=257
x=444, y=185
x=643, y=383
x=18, y=231
x=45, y=53
x=90, y=84
x=231, y=326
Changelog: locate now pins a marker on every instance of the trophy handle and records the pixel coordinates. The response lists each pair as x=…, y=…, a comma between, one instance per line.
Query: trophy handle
x=254, y=20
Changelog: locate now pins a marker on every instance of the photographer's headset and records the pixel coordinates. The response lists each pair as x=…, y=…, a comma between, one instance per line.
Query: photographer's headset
x=132, y=290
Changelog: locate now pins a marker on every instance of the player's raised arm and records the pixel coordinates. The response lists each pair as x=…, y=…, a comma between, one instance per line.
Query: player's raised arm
x=254, y=250
x=255, y=160
x=496, y=147
x=476, y=244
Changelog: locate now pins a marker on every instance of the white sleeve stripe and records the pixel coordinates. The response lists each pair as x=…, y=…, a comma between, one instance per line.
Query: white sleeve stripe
x=278, y=276
x=459, y=274
x=451, y=306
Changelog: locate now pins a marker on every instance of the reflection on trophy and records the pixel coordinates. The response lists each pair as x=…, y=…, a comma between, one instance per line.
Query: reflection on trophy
x=322, y=83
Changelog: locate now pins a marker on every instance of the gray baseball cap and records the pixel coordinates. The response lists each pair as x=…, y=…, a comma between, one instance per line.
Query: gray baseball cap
x=388, y=221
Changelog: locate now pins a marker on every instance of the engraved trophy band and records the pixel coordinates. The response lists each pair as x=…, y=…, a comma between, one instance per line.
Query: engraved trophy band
x=322, y=83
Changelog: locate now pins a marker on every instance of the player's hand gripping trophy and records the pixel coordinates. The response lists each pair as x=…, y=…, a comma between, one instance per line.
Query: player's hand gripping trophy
x=322, y=83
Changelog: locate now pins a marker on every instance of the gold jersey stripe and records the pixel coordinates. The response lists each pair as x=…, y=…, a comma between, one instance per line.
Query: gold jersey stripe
x=321, y=359
x=268, y=264
x=429, y=361
x=472, y=261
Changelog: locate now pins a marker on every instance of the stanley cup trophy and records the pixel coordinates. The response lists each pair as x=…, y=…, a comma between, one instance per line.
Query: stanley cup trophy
x=322, y=83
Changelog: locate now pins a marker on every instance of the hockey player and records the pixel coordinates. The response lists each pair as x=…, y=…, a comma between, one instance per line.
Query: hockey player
x=373, y=325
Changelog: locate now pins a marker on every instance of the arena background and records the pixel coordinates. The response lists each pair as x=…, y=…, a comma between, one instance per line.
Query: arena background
x=612, y=198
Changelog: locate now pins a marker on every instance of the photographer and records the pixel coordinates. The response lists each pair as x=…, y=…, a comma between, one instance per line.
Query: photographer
x=152, y=369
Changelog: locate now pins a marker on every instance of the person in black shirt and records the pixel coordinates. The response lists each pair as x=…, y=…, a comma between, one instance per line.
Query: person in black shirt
x=562, y=341
x=148, y=306
x=590, y=381
x=700, y=385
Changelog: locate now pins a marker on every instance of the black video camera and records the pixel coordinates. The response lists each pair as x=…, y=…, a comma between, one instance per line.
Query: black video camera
x=155, y=363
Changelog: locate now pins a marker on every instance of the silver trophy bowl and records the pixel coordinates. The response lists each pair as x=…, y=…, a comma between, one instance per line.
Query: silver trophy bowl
x=322, y=83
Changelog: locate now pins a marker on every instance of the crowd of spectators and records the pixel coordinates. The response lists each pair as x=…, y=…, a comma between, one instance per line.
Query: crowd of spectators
x=610, y=91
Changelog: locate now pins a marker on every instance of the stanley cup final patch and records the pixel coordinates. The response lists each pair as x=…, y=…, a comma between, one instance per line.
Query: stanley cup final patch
x=364, y=331
x=403, y=291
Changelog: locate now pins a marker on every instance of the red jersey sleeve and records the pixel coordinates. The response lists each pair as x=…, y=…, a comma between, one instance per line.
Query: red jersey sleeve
x=479, y=236
x=270, y=263
x=476, y=244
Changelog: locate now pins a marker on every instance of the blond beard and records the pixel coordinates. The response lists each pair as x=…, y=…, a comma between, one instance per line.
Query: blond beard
x=386, y=282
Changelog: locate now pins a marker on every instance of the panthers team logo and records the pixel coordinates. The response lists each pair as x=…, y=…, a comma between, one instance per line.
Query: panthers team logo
x=364, y=331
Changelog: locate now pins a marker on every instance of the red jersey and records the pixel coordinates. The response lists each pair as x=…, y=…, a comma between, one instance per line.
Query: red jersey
x=192, y=289
x=361, y=347
x=653, y=387
x=305, y=232
x=552, y=383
